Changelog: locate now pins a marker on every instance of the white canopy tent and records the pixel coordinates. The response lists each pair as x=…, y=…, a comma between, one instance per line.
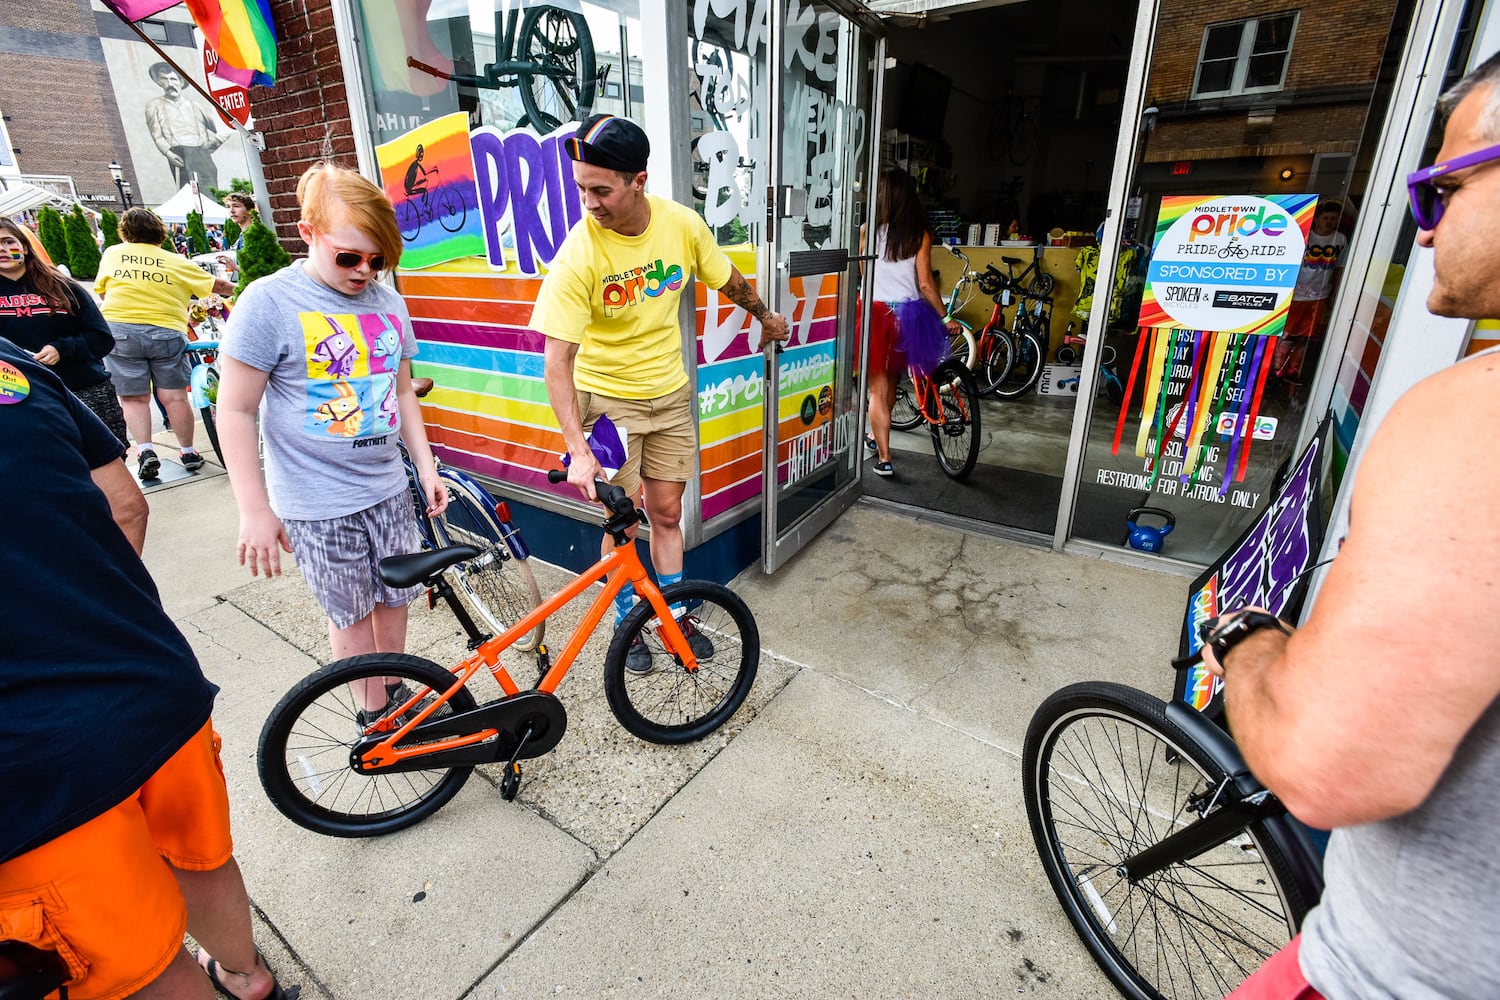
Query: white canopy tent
x=177, y=207
x=22, y=197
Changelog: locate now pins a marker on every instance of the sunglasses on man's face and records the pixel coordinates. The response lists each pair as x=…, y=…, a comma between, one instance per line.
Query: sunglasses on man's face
x=349, y=259
x=1429, y=197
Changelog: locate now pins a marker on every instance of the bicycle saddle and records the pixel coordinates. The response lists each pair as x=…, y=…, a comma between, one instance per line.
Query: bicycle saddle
x=1013, y=261
x=422, y=567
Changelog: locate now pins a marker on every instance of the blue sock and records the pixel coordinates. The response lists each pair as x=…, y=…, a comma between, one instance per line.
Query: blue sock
x=666, y=580
x=623, y=602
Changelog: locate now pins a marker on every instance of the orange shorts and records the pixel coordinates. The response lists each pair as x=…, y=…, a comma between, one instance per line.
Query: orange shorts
x=103, y=895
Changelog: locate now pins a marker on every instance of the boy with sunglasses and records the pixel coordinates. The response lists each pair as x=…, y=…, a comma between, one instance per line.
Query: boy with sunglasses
x=1379, y=718
x=323, y=351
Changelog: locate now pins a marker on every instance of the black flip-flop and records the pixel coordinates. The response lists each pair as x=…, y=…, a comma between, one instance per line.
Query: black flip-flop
x=277, y=993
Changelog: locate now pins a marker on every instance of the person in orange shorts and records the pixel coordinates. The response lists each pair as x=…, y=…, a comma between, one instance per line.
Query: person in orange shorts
x=116, y=835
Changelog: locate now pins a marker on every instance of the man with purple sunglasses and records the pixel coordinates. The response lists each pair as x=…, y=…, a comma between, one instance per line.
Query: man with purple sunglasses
x=1379, y=718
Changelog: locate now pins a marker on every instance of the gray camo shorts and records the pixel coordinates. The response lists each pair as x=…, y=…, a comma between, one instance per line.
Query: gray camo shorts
x=338, y=556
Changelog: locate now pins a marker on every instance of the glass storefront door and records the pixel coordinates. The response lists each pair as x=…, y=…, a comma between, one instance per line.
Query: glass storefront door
x=826, y=90
x=1249, y=184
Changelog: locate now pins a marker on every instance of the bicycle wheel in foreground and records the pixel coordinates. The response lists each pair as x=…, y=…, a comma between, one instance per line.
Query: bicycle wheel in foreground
x=1105, y=774
x=1026, y=363
x=206, y=394
x=669, y=704
x=304, y=751
x=501, y=587
x=955, y=434
x=995, y=365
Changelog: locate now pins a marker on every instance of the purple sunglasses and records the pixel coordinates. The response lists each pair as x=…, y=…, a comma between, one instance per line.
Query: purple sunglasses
x=1426, y=198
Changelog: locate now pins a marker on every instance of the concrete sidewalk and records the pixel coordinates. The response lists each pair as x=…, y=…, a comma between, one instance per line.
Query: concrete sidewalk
x=856, y=831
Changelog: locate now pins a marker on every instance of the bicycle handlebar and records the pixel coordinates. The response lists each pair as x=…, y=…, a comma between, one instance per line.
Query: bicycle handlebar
x=612, y=496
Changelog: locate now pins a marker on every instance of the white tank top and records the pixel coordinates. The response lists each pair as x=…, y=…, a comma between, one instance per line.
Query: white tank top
x=895, y=280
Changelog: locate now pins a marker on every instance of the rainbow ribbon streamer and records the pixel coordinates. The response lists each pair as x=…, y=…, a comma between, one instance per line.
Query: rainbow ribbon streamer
x=241, y=31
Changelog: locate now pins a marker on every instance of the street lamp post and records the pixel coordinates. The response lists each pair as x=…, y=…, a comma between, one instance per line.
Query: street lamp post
x=117, y=174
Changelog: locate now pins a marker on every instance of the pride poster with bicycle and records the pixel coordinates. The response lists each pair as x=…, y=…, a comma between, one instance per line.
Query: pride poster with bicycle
x=1220, y=282
x=428, y=174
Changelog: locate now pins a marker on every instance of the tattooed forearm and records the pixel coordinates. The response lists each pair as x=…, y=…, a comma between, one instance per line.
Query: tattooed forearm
x=738, y=291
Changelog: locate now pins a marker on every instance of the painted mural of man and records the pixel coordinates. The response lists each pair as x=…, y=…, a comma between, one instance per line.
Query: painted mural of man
x=183, y=130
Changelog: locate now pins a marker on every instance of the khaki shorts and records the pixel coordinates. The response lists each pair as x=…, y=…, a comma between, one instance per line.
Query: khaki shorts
x=661, y=435
x=102, y=895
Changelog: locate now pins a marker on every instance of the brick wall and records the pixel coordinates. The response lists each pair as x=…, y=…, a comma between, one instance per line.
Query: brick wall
x=305, y=117
x=1337, y=49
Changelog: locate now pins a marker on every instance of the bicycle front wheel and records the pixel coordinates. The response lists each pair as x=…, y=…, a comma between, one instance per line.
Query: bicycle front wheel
x=962, y=348
x=561, y=85
x=501, y=588
x=451, y=211
x=1026, y=366
x=955, y=428
x=304, y=750
x=905, y=415
x=995, y=365
x=206, y=397
x=1105, y=774
x=667, y=704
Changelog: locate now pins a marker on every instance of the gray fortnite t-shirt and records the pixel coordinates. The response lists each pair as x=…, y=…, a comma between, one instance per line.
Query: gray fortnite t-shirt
x=329, y=416
x=1410, y=906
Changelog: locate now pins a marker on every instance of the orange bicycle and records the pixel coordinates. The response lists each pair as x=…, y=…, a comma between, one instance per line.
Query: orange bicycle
x=335, y=768
x=948, y=402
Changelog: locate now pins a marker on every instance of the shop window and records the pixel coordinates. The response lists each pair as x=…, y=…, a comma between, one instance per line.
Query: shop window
x=1245, y=57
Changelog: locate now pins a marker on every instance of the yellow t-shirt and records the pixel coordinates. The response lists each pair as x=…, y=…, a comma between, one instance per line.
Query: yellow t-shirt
x=616, y=297
x=146, y=284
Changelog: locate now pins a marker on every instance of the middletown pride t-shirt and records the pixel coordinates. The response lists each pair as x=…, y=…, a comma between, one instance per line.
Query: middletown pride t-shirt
x=616, y=297
x=146, y=284
x=329, y=416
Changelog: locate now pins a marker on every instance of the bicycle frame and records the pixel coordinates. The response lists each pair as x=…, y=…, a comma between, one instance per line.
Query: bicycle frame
x=621, y=565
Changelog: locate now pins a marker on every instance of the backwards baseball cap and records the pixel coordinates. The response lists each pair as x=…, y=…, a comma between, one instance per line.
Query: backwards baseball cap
x=609, y=142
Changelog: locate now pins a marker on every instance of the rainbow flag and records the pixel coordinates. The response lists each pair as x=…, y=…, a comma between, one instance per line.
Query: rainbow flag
x=241, y=31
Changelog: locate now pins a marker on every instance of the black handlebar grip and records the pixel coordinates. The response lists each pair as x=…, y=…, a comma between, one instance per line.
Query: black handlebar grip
x=557, y=475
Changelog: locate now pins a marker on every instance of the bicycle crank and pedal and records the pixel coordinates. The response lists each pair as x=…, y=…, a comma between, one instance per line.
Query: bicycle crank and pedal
x=525, y=725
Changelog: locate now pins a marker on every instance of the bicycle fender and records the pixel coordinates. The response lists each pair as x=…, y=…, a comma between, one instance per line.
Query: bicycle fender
x=1220, y=748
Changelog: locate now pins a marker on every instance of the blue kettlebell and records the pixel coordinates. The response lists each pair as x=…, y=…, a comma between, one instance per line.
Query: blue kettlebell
x=1146, y=538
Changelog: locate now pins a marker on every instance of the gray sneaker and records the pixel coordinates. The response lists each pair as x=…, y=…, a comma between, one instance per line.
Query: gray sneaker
x=638, y=658
x=396, y=694
x=701, y=645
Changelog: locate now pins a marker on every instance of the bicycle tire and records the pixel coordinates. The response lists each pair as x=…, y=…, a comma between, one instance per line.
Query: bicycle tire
x=500, y=587
x=1026, y=364
x=560, y=40
x=955, y=439
x=962, y=348
x=1041, y=284
x=1082, y=740
x=1066, y=355
x=409, y=219
x=651, y=705
x=451, y=208
x=996, y=363
x=904, y=413
x=304, y=764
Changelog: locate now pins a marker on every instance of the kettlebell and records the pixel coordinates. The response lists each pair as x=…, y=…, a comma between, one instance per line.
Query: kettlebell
x=1146, y=538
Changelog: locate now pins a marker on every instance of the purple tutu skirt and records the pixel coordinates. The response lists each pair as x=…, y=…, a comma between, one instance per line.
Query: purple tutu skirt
x=920, y=334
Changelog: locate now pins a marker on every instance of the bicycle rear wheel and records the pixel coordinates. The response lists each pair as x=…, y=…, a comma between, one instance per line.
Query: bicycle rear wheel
x=1026, y=366
x=303, y=756
x=904, y=413
x=205, y=394
x=1106, y=774
x=955, y=434
x=996, y=363
x=561, y=87
x=668, y=704
x=501, y=587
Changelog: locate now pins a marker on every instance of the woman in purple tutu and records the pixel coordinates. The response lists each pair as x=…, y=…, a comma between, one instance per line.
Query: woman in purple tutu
x=907, y=323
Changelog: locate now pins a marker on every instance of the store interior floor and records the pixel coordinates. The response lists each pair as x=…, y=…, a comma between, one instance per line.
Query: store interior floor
x=1017, y=481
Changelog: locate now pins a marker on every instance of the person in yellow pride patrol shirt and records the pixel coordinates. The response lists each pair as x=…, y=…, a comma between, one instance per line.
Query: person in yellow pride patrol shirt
x=608, y=307
x=146, y=292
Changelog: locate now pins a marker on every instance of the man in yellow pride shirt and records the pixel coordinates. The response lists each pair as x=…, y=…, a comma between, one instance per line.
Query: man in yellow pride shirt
x=146, y=291
x=608, y=308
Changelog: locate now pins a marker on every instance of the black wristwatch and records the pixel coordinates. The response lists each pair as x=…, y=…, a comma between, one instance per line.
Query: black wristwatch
x=1229, y=630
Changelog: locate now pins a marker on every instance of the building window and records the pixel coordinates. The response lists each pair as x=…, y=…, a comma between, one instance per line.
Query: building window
x=1245, y=57
x=155, y=30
